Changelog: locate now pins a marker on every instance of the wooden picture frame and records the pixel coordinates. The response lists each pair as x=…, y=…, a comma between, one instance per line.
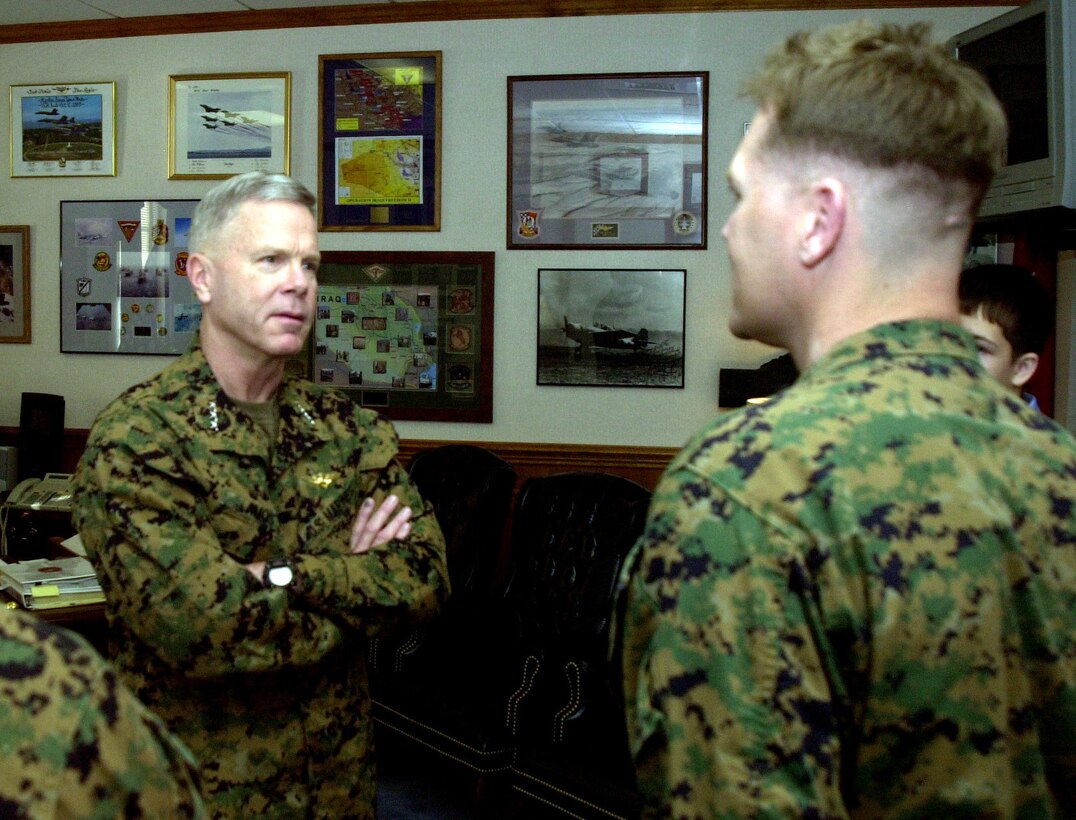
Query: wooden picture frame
x=600, y=327
x=63, y=129
x=379, y=141
x=220, y=125
x=409, y=333
x=123, y=277
x=15, y=284
x=599, y=161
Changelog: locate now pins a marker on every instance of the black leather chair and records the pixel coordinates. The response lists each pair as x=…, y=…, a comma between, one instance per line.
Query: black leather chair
x=531, y=682
x=422, y=671
x=570, y=538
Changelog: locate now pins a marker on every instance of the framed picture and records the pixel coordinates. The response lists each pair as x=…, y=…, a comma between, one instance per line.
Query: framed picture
x=611, y=328
x=220, y=125
x=63, y=130
x=15, y=284
x=379, y=142
x=607, y=161
x=409, y=333
x=123, y=277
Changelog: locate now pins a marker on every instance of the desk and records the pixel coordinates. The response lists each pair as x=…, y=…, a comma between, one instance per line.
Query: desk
x=88, y=620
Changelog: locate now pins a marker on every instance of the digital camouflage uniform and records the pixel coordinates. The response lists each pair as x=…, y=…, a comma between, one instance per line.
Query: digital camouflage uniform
x=176, y=491
x=74, y=741
x=859, y=599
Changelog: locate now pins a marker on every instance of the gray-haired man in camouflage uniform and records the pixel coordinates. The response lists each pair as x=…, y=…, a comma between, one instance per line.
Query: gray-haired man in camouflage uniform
x=251, y=528
x=859, y=599
x=75, y=742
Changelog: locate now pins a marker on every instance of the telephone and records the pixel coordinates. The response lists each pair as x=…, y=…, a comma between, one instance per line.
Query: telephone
x=53, y=492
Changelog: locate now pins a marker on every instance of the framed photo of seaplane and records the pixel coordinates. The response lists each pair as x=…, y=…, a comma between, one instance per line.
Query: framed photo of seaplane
x=63, y=129
x=611, y=328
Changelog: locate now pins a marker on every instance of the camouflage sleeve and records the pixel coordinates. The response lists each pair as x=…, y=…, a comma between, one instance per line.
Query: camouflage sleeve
x=167, y=576
x=718, y=667
x=85, y=746
x=401, y=581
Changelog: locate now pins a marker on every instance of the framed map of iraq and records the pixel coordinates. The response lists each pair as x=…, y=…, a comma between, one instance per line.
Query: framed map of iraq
x=379, y=142
x=409, y=333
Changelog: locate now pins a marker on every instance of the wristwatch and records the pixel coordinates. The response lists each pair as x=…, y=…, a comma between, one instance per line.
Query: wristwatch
x=280, y=574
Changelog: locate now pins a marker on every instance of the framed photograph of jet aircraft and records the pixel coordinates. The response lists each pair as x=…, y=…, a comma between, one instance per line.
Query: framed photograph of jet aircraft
x=408, y=333
x=220, y=125
x=15, y=284
x=611, y=328
x=601, y=161
x=63, y=130
x=379, y=141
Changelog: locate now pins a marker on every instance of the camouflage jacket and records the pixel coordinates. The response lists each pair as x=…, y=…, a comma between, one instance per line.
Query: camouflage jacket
x=75, y=742
x=859, y=599
x=176, y=491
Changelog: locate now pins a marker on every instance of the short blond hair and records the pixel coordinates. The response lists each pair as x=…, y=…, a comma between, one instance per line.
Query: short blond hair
x=883, y=96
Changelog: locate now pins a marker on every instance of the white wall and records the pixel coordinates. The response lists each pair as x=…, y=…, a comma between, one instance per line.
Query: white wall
x=478, y=56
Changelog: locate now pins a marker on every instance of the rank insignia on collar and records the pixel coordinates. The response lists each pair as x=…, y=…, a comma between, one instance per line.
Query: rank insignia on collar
x=322, y=479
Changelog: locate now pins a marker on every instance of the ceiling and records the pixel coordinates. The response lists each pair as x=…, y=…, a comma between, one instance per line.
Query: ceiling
x=17, y=12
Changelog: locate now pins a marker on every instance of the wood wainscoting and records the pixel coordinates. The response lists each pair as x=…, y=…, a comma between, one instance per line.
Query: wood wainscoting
x=642, y=464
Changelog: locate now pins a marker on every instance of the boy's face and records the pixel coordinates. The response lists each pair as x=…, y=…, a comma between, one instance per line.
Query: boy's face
x=996, y=354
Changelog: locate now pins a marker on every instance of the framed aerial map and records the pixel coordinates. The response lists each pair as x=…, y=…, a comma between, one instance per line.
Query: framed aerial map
x=379, y=141
x=599, y=161
x=409, y=333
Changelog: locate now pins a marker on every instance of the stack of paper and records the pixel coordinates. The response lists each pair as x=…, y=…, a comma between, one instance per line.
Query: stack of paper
x=48, y=584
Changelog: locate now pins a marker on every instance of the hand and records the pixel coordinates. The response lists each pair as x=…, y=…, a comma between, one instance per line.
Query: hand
x=372, y=528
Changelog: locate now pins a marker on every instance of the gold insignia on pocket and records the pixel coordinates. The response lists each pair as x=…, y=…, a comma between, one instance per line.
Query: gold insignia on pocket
x=322, y=479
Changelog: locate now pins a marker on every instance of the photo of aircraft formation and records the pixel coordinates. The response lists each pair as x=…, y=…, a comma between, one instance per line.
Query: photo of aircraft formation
x=221, y=118
x=73, y=133
x=218, y=132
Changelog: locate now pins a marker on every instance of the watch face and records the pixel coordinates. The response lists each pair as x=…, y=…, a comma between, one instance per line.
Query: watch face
x=280, y=576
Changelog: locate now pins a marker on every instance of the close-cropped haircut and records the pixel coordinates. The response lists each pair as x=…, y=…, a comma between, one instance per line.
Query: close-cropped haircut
x=220, y=206
x=1013, y=299
x=883, y=96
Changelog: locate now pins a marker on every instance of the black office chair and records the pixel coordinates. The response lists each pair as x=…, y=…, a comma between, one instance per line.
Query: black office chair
x=422, y=669
x=526, y=679
x=571, y=535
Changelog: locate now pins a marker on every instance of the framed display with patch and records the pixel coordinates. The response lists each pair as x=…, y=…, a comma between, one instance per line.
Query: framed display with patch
x=379, y=141
x=607, y=161
x=220, y=125
x=408, y=333
x=63, y=130
x=15, y=284
x=123, y=277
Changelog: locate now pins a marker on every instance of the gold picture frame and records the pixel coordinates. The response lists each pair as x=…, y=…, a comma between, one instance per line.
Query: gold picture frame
x=220, y=125
x=15, y=284
x=63, y=129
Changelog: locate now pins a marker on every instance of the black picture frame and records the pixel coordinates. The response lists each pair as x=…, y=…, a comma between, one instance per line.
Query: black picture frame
x=601, y=327
x=598, y=161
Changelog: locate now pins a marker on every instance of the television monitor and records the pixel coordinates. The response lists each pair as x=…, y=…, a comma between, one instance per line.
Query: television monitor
x=1028, y=56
